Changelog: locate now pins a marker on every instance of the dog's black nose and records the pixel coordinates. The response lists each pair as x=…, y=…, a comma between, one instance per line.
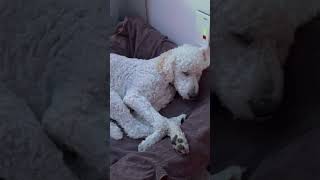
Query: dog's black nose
x=192, y=95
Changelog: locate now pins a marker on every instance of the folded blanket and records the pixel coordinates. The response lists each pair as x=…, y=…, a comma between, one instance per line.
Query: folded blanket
x=135, y=38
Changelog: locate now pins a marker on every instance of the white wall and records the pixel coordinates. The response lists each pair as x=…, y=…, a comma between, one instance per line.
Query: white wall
x=176, y=18
x=173, y=18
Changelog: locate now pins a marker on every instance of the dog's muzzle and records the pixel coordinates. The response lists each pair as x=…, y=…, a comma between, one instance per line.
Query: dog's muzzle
x=193, y=94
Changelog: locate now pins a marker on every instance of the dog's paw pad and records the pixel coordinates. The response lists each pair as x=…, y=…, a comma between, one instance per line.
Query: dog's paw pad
x=180, y=140
x=180, y=144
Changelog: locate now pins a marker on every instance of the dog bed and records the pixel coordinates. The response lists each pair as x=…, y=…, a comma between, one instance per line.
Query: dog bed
x=135, y=38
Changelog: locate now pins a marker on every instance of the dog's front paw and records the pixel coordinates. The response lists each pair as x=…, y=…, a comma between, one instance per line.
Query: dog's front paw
x=180, y=143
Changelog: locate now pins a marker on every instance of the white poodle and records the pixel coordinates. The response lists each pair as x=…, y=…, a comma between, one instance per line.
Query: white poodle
x=140, y=88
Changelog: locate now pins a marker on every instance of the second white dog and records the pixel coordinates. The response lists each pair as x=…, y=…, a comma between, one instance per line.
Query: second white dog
x=140, y=88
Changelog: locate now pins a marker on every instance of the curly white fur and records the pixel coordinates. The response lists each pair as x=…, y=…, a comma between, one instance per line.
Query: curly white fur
x=140, y=88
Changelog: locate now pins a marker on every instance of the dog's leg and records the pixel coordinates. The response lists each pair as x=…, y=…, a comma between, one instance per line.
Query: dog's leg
x=160, y=124
x=150, y=140
x=120, y=113
x=179, y=119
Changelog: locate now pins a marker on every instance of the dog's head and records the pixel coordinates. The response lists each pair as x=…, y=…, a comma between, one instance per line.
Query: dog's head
x=248, y=77
x=183, y=67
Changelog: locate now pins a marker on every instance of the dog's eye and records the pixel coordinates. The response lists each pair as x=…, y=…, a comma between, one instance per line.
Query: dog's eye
x=186, y=73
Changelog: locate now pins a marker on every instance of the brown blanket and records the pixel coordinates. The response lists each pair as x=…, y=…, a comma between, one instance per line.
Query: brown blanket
x=134, y=38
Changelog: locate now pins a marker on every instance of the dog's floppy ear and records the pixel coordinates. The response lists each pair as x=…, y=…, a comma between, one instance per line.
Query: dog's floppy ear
x=206, y=55
x=166, y=65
